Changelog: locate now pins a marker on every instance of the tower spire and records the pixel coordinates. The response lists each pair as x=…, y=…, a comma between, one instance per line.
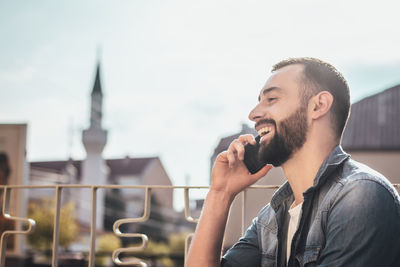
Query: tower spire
x=96, y=110
x=97, y=80
x=94, y=140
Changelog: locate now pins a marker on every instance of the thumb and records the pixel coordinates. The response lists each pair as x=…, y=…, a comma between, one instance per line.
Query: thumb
x=261, y=173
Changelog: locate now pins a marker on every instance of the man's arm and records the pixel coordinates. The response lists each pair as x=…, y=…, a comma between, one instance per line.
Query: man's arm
x=229, y=177
x=363, y=228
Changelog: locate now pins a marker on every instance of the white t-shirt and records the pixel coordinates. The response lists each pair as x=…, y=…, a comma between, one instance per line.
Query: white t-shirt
x=294, y=213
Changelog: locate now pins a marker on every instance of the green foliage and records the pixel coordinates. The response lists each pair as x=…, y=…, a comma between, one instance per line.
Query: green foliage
x=155, y=248
x=43, y=214
x=106, y=244
x=168, y=254
x=176, y=243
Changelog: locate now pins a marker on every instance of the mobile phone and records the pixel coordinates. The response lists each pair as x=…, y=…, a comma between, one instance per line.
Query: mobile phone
x=251, y=159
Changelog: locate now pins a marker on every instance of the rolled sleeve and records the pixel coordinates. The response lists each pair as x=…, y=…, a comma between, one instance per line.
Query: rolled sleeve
x=246, y=251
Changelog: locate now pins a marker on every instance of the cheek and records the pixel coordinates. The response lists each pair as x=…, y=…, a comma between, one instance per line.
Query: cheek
x=282, y=110
x=280, y=116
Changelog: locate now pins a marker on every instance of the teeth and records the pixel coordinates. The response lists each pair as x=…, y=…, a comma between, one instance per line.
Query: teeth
x=264, y=131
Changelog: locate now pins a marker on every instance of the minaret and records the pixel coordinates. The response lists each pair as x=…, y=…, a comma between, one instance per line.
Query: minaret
x=94, y=169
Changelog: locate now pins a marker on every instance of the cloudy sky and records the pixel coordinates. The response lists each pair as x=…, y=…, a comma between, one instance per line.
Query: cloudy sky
x=177, y=75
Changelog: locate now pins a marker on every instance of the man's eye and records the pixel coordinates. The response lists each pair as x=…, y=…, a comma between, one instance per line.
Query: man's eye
x=271, y=99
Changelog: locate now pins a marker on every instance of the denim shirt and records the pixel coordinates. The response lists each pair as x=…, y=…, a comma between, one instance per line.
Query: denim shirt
x=350, y=217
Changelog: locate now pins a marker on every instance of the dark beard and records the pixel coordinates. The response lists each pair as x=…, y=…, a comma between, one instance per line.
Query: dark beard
x=291, y=137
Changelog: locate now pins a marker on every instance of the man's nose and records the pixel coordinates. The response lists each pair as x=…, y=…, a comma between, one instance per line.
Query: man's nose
x=256, y=113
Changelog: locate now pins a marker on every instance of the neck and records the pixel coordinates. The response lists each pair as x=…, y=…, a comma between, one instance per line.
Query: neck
x=301, y=169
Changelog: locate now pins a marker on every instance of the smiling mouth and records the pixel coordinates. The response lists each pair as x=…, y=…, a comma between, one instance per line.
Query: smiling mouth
x=264, y=131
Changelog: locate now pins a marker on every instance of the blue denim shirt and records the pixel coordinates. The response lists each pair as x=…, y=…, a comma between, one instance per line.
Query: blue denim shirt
x=350, y=217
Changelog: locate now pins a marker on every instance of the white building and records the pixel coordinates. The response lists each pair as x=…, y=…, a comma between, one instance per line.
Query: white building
x=96, y=170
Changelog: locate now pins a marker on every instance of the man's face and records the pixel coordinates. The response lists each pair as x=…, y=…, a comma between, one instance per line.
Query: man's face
x=289, y=138
x=280, y=116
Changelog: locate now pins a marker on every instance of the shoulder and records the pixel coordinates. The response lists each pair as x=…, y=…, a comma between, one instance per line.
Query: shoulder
x=361, y=178
x=362, y=218
x=362, y=187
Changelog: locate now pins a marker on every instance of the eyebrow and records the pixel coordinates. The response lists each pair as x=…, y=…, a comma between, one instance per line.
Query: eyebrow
x=267, y=90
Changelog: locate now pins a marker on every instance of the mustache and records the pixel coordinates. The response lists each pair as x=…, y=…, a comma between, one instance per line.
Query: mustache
x=265, y=121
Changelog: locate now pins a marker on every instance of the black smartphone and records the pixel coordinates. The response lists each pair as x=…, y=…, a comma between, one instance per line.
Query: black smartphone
x=251, y=159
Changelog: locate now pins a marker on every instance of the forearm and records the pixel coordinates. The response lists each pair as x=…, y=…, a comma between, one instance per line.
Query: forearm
x=229, y=177
x=205, y=249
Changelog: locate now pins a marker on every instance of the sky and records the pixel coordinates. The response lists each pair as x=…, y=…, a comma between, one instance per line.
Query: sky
x=177, y=75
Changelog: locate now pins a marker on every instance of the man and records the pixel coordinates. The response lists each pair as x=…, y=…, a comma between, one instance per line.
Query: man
x=332, y=211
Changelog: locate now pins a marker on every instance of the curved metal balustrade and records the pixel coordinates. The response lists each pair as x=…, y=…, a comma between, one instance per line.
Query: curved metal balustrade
x=30, y=224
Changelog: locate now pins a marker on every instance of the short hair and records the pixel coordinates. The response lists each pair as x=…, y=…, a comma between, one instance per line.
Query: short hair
x=322, y=76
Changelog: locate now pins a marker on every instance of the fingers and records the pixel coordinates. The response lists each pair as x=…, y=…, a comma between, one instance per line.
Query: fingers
x=231, y=157
x=236, y=148
x=247, y=139
x=222, y=157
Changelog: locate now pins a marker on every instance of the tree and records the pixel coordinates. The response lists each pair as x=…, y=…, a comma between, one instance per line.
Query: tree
x=168, y=254
x=43, y=213
x=106, y=244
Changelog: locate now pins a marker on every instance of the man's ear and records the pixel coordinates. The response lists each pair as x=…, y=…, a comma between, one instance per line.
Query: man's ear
x=321, y=103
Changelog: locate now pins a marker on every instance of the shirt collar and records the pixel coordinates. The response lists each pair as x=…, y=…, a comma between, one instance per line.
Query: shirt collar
x=335, y=158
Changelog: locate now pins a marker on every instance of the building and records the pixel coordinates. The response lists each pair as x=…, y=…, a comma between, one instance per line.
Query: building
x=372, y=133
x=13, y=171
x=94, y=170
x=124, y=171
x=372, y=136
x=112, y=204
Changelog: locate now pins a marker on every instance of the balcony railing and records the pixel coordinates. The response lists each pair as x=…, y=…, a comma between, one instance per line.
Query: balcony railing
x=30, y=224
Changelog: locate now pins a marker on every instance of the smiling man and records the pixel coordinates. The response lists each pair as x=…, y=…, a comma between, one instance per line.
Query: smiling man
x=332, y=211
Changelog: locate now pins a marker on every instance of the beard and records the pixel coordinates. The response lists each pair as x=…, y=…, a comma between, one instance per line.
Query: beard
x=291, y=137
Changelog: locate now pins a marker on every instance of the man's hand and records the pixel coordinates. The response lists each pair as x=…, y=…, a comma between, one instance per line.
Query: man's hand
x=229, y=174
x=229, y=177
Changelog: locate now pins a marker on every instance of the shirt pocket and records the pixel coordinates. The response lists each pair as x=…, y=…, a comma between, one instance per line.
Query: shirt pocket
x=267, y=261
x=268, y=240
x=309, y=257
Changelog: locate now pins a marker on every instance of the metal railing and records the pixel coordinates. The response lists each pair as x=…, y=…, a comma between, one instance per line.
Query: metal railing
x=30, y=224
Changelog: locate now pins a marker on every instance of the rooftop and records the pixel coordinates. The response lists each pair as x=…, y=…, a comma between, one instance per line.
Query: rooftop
x=122, y=166
x=374, y=122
